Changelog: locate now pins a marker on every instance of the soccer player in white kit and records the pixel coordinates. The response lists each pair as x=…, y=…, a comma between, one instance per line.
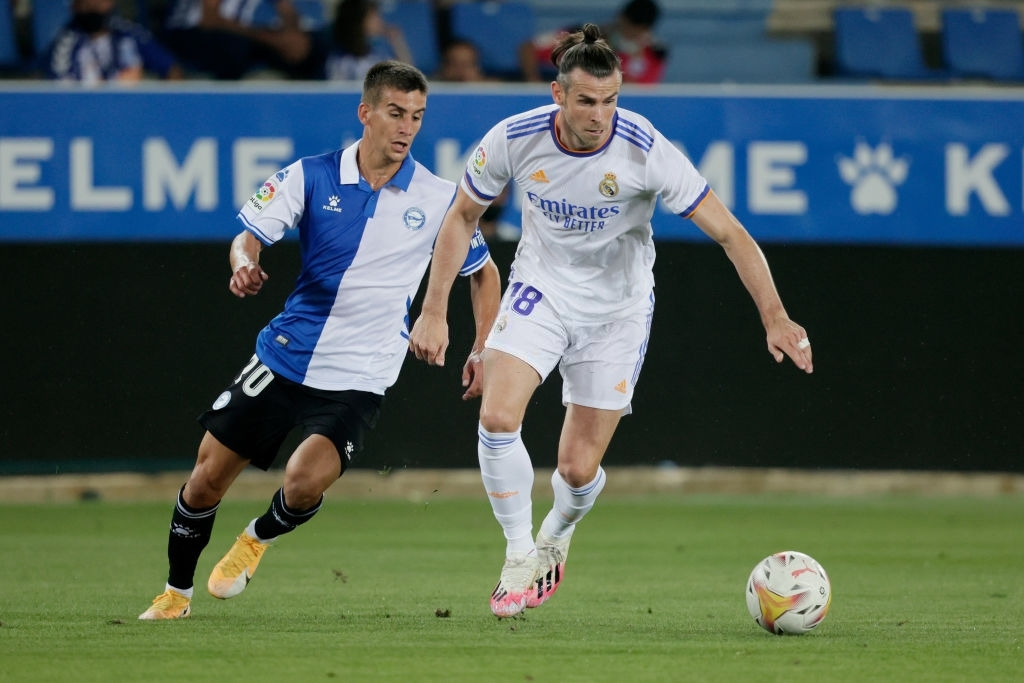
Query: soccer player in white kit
x=580, y=294
x=367, y=217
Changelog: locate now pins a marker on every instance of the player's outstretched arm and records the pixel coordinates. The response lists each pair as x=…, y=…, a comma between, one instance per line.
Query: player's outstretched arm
x=784, y=337
x=247, y=277
x=485, y=292
x=428, y=339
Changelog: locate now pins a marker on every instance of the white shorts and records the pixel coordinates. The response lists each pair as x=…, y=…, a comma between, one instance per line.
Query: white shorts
x=599, y=361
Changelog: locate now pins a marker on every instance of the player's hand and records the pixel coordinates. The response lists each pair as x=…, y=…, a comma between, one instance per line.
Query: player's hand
x=429, y=338
x=786, y=338
x=472, y=376
x=247, y=280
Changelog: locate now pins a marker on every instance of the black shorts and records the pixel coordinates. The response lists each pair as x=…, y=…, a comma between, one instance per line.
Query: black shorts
x=259, y=410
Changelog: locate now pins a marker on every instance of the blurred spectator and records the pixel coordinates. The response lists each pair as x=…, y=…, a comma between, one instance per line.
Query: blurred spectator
x=630, y=35
x=219, y=37
x=361, y=39
x=97, y=46
x=460, y=62
x=443, y=21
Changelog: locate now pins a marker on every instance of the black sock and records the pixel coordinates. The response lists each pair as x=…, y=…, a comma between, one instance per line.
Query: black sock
x=190, y=532
x=278, y=519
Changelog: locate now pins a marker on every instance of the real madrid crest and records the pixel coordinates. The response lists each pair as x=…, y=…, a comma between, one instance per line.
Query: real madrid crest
x=608, y=187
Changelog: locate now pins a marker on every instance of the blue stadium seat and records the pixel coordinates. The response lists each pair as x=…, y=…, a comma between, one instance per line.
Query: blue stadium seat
x=497, y=29
x=416, y=19
x=48, y=18
x=873, y=42
x=548, y=18
x=9, y=56
x=983, y=43
x=741, y=61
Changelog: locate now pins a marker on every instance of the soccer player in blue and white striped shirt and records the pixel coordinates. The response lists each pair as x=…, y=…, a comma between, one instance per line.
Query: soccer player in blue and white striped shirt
x=367, y=218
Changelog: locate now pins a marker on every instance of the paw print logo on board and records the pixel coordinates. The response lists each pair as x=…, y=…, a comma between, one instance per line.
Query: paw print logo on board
x=874, y=174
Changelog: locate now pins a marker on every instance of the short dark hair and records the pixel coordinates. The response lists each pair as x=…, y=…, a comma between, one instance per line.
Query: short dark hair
x=584, y=49
x=392, y=74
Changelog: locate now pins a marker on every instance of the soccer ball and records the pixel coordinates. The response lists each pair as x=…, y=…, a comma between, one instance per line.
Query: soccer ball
x=788, y=593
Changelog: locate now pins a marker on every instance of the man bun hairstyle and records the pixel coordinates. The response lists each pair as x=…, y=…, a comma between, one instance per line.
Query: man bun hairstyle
x=585, y=49
x=392, y=74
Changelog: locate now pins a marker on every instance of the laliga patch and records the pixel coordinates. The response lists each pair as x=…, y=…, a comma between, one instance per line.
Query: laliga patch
x=263, y=196
x=478, y=161
x=608, y=187
x=414, y=218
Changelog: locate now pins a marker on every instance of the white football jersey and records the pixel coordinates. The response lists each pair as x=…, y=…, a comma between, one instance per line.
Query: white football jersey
x=346, y=323
x=587, y=241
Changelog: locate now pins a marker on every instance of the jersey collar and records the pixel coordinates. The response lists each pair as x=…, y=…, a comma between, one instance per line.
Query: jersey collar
x=349, y=170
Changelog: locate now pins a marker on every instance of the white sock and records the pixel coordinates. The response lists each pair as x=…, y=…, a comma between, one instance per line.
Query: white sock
x=250, y=529
x=508, y=480
x=571, y=504
x=187, y=592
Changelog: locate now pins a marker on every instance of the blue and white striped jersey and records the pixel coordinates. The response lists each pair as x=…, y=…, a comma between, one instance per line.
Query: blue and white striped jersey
x=587, y=240
x=188, y=13
x=364, y=253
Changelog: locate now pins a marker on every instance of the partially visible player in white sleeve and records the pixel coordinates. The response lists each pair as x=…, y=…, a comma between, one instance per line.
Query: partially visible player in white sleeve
x=580, y=294
x=367, y=218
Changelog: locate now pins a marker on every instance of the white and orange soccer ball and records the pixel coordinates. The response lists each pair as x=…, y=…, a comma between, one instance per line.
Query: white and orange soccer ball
x=788, y=593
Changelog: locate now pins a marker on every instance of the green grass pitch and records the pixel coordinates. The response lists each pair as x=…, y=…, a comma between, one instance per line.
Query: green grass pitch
x=924, y=589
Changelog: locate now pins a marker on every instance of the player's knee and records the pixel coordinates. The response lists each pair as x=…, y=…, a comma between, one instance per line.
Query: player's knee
x=207, y=484
x=302, y=495
x=200, y=493
x=498, y=421
x=578, y=475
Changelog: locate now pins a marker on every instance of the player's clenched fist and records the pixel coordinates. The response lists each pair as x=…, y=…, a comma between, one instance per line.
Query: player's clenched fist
x=429, y=339
x=247, y=280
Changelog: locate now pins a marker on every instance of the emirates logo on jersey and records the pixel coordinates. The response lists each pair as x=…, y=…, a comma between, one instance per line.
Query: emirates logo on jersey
x=571, y=216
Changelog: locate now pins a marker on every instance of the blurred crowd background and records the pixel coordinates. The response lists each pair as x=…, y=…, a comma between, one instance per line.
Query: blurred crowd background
x=873, y=148
x=660, y=41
